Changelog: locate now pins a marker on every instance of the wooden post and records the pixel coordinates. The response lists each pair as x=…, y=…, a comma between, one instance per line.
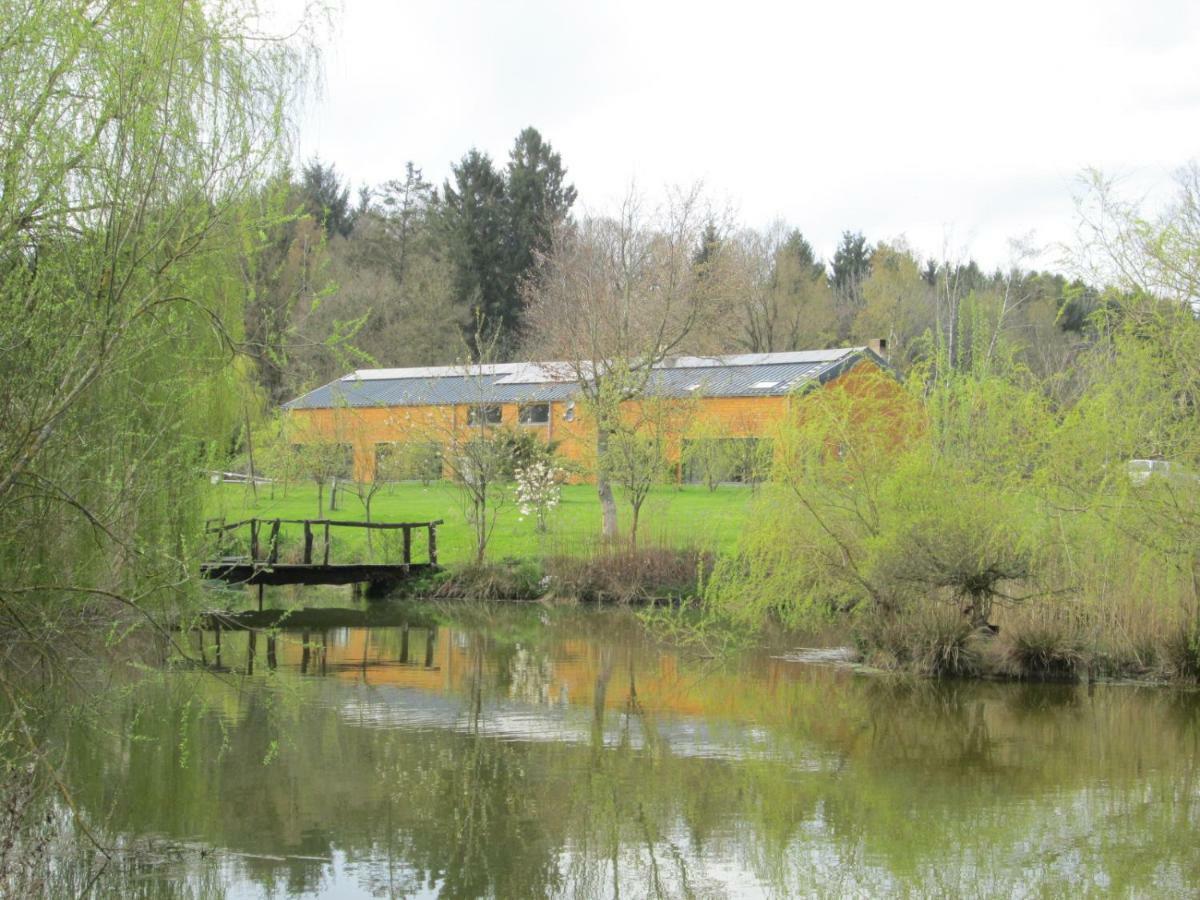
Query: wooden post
x=273, y=556
x=407, y=545
x=404, y=644
x=271, y=662
x=326, y=543
x=251, y=642
x=260, y=595
x=304, y=653
x=432, y=543
x=217, y=630
x=430, y=635
x=254, y=540
x=308, y=542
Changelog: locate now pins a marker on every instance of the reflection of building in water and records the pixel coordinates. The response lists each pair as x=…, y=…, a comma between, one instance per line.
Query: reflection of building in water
x=577, y=671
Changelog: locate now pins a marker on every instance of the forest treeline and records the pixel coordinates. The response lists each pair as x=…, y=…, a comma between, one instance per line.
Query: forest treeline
x=400, y=273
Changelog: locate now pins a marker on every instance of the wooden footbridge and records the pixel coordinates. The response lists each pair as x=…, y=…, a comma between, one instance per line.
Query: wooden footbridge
x=259, y=561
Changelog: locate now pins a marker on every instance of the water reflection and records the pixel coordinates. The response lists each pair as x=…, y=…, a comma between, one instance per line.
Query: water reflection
x=506, y=756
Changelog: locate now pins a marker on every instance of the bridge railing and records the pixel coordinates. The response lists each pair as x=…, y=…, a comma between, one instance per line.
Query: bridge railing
x=264, y=549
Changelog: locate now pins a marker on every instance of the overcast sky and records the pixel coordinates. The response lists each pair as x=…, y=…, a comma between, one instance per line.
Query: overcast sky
x=957, y=125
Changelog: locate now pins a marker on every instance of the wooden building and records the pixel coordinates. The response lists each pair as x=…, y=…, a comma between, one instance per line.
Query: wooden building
x=420, y=411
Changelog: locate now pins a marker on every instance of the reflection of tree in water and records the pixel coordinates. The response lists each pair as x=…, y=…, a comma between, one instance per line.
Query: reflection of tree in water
x=483, y=828
x=859, y=779
x=531, y=678
x=623, y=805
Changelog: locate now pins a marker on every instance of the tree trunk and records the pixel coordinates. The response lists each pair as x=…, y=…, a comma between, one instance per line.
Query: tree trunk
x=320, y=498
x=608, y=506
x=481, y=534
x=370, y=543
x=250, y=453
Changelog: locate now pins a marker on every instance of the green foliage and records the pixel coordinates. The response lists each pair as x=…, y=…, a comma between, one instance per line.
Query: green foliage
x=978, y=492
x=496, y=224
x=123, y=224
x=538, y=200
x=520, y=448
x=326, y=199
x=408, y=461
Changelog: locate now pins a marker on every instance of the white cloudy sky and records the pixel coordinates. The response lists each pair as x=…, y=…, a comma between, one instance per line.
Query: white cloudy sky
x=958, y=125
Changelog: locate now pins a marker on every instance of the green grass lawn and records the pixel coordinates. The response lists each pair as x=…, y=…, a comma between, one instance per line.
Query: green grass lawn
x=689, y=515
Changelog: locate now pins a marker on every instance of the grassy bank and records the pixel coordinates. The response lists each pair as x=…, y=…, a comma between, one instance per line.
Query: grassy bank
x=683, y=529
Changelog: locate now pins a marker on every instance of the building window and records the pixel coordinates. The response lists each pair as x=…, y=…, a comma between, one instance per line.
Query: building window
x=534, y=414
x=485, y=414
x=726, y=460
x=569, y=413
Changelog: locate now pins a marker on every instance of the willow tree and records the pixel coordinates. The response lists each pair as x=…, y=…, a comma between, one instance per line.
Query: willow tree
x=134, y=142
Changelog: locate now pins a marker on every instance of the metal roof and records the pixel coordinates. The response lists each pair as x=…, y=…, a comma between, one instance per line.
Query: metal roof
x=747, y=375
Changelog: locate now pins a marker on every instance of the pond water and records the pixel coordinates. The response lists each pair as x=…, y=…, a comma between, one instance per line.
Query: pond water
x=529, y=753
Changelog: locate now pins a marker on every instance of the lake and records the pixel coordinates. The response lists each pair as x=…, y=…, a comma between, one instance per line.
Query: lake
x=523, y=752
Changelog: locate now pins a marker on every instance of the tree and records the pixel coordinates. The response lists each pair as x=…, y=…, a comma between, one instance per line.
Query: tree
x=386, y=469
x=782, y=296
x=897, y=303
x=326, y=199
x=134, y=139
x=710, y=453
x=403, y=210
x=614, y=298
x=851, y=266
x=322, y=450
x=286, y=279
x=538, y=490
x=475, y=451
x=474, y=224
x=538, y=202
x=277, y=457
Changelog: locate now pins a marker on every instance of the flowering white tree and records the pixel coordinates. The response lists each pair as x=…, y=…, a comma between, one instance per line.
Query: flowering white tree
x=538, y=490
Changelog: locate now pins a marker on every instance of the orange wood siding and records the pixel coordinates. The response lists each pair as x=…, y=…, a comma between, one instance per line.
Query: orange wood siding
x=365, y=427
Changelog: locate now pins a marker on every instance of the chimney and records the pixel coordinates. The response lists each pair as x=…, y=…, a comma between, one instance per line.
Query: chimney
x=879, y=347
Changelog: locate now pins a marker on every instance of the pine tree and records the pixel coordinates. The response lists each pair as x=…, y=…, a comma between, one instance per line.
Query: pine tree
x=799, y=252
x=851, y=268
x=538, y=201
x=474, y=220
x=326, y=199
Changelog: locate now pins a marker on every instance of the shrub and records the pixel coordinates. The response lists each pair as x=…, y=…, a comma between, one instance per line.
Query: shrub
x=508, y=579
x=625, y=575
x=1045, y=650
x=1182, y=651
x=538, y=490
x=929, y=639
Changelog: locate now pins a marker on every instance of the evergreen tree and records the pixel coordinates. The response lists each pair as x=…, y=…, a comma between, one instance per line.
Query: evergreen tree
x=708, y=246
x=326, y=199
x=403, y=208
x=851, y=268
x=474, y=219
x=539, y=200
x=803, y=258
x=851, y=265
